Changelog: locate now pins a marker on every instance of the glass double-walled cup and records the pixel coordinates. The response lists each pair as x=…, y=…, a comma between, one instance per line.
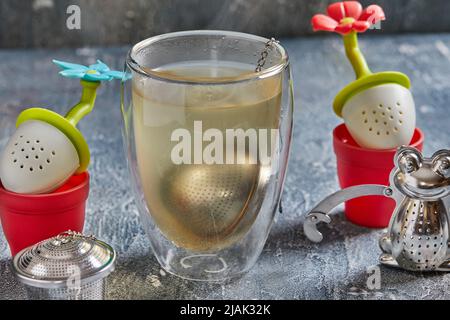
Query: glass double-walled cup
x=207, y=138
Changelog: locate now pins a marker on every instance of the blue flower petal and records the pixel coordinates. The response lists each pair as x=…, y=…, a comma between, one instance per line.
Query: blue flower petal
x=115, y=74
x=99, y=66
x=102, y=71
x=73, y=73
x=96, y=77
x=67, y=65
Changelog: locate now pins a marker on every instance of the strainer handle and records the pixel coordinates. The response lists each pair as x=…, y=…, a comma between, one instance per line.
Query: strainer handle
x=320, y=212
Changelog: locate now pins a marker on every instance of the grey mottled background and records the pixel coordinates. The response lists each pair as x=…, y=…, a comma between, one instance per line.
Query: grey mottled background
x=42, y=23
x=290, y=267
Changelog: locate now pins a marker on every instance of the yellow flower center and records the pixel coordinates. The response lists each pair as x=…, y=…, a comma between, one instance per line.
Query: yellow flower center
x=91, y=72
x=347, y=20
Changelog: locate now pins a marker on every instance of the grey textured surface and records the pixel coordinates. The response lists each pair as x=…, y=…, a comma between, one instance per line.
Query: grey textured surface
x=290, y=267
x=42, y=23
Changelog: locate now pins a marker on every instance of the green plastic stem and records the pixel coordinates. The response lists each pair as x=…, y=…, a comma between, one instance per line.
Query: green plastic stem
x=86, y=103
x=355, y=55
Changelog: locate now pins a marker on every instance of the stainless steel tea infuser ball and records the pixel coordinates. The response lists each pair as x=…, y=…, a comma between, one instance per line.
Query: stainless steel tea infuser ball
x=70, y=266
x=418, y=233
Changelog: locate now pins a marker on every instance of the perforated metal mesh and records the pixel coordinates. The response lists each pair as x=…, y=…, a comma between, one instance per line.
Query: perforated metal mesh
x=421, y=234
x=95, y=290
x=70, y=265
x=212, y=198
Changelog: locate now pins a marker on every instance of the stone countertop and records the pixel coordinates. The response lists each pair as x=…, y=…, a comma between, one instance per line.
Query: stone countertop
x=290, y=267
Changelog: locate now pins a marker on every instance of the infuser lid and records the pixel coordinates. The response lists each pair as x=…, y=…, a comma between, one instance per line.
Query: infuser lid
x=70, y=256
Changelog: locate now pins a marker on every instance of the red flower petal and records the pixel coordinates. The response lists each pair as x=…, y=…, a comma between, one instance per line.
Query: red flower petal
x=323, y=22
x=372, y=14
x=336, y=11
x=360, y=26
x=353, y=9
x=346, y=9
x=344, y=28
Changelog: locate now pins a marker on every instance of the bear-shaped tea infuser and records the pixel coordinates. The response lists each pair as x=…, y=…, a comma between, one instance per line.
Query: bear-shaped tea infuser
x=47, y=148
x=418, y=233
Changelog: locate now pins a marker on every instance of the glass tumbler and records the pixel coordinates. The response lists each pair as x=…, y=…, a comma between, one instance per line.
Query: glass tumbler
x=207, y=135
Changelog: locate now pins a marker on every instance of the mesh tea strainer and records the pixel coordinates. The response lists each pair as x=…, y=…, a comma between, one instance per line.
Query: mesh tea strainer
x=219, y=203
x=70, y=266
x=418, y=233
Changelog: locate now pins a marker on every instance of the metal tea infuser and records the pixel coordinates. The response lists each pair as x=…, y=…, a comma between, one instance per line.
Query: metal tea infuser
x=70, y=266
x=418, y=233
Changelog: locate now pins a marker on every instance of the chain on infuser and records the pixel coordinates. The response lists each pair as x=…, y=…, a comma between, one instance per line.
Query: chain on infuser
x=262, y=59
x=259, y=65
x=69, y=235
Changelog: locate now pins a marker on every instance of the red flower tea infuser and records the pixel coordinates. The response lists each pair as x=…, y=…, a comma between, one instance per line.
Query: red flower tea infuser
x=378, y=108
x=378, y=111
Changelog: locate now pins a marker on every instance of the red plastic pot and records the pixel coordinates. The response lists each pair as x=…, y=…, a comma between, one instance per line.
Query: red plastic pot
x=357, y=165
x=28, y=219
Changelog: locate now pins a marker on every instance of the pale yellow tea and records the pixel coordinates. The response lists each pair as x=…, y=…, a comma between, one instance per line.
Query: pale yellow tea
x=198, y=205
